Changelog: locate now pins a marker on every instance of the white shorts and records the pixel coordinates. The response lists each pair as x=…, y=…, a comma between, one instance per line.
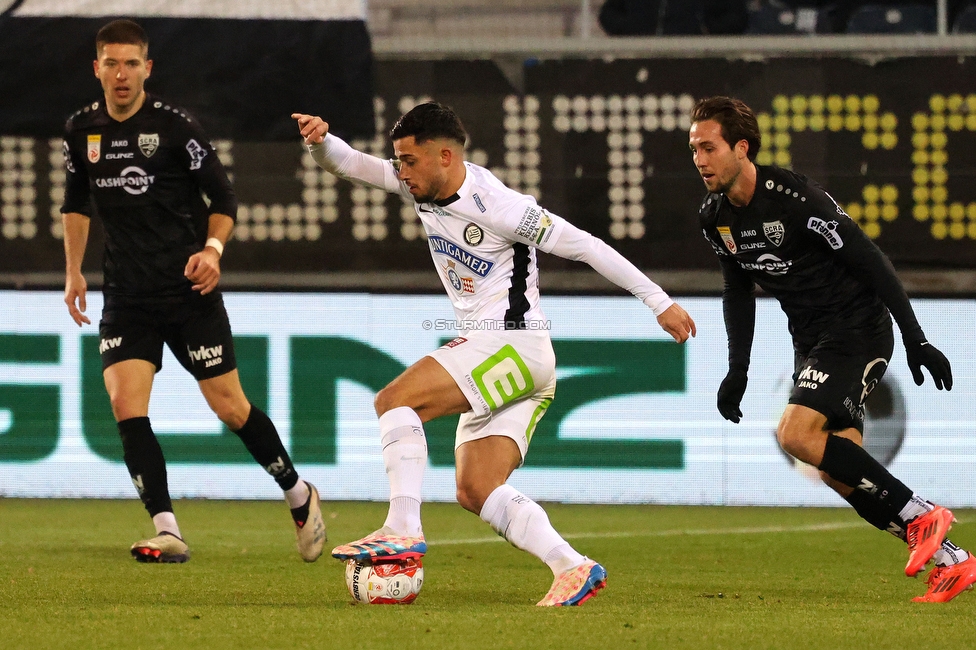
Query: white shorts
x=509, y=379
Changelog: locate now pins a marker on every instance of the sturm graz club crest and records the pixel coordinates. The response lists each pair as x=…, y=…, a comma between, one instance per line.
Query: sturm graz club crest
x=774, y=231
x=148, y=143
x=473, y=234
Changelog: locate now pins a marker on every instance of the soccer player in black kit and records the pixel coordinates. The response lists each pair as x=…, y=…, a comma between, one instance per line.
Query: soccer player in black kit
x=777, y=229
x=141, y=165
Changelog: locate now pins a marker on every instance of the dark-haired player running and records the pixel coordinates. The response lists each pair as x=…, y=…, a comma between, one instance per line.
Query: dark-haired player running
x=777, y=229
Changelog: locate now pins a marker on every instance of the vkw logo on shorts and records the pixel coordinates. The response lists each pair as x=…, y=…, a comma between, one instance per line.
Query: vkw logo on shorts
x=810, y=378
x=774, y=231
x=148, y=144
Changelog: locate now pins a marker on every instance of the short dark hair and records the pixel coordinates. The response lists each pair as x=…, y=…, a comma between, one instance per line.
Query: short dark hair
x=430, y=121
x=122, y=31
x=737, y=120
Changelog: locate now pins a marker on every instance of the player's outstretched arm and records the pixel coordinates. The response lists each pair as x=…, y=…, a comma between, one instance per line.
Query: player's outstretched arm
x=676, y=322
x=335, y=156
x=572, y=243
x=312, y=127
x=75, y=287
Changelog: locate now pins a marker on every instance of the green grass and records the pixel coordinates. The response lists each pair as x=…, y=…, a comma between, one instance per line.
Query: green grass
x=678, y=578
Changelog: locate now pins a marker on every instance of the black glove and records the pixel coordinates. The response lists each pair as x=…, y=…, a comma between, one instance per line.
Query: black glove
x=730, y=394
x=922, y=353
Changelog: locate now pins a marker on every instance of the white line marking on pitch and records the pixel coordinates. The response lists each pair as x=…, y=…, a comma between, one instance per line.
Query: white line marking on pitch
x=753, y=530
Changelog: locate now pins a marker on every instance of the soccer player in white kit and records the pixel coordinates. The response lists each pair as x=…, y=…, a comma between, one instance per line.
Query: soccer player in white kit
x=499, y=374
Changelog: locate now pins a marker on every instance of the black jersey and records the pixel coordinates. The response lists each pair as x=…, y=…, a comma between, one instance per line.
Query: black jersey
x=145, y=179
x=795, y=242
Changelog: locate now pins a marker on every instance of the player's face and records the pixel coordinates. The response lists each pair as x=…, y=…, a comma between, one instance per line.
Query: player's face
x=717, y=162
x=423, y=167
x=123, y=69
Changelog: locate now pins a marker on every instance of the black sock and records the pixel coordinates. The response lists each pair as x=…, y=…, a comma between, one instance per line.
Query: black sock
x=147, y=467
x=875, y=514
x=847, y=462
x=300, y=514
x=261, y=439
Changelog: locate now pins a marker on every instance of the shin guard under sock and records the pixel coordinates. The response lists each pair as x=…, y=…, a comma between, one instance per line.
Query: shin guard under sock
x=847, y=462
x=144, y=459
x=261, y=439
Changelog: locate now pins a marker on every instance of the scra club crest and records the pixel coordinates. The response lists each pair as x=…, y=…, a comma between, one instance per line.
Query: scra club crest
x=148, y=143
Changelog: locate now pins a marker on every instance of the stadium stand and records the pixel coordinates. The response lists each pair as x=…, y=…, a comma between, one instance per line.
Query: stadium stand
x=474, y=18
x=965, y=22
x=787, y=20
x=892, y=19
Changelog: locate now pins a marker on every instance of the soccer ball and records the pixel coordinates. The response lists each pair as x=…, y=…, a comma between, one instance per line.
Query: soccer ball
x=388, y=583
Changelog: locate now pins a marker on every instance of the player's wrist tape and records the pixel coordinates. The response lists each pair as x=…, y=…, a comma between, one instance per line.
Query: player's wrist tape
x=216, y=244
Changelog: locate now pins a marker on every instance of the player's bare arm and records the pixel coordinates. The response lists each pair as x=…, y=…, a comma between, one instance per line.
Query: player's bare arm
x=203, y=268
x=676, y=322
x=75, y=286
x=312, y=127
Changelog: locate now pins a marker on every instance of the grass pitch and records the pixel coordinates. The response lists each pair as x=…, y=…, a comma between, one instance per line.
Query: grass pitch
x=678, y=578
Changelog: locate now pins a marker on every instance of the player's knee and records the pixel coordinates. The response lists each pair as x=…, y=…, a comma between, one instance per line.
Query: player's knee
x=794, y=441
x=120, y=407
x=231, y=412
x=471, y=498
x=386, y=399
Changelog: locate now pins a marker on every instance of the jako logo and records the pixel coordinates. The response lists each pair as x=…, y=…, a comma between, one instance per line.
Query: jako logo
x=108, y=344
x=212, y=355
x=810, y=378
x=132, y=179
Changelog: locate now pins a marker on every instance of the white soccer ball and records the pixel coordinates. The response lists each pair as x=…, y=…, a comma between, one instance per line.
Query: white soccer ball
x=388, y=583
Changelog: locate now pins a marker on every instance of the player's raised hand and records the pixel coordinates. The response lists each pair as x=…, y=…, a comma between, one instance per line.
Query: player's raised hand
x=312, y=127
x=923, y=353
x=203, y=270
x=730, y=394
x=75, y=288
x=676, y=322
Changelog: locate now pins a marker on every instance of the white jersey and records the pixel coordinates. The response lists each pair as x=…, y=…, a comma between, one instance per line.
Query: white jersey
x=483, y=241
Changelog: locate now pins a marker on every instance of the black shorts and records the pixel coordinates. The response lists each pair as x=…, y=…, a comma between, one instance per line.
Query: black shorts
x=194, y=327
x=840, y=371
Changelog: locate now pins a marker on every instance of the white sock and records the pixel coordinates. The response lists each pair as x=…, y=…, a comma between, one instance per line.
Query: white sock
x=297, y=495
x=166, y=522
x=526, y=526
x=949, y=554
x=916, y=507
x=405, y=458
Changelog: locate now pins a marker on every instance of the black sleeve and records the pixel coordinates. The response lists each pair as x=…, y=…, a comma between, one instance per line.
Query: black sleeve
x=836, y=231
x=204, y=165
x=739, y=310
x=77, y=193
